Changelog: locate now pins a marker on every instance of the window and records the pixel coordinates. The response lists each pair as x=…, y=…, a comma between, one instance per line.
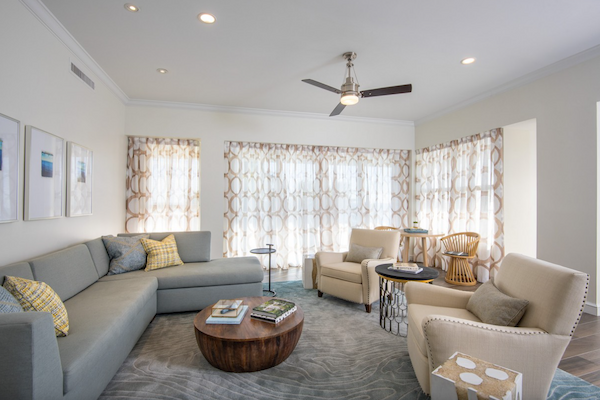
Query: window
x=308, y=198
x=163, y=185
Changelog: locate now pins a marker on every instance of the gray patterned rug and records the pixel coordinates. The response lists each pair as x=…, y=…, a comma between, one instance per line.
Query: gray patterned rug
x=342, y=354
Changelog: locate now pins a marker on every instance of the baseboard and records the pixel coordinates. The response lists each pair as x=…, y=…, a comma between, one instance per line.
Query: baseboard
x=591, y=309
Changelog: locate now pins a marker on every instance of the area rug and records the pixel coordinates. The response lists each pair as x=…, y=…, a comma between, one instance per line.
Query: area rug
x=342, y=354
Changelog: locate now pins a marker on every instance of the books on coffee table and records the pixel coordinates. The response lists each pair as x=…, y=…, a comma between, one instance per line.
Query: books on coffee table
x=227, y=308
x=228, y=320
x=273, y=310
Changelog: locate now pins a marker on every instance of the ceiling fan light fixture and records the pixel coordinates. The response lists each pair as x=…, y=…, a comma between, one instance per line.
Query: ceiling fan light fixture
x=349, y=98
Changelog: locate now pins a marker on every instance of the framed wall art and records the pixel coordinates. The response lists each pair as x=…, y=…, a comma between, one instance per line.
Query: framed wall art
x=44, y=159
x=9, y=169
x=79, y=180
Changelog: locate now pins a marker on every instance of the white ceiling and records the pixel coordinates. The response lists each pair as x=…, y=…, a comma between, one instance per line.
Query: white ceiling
x=257, y=52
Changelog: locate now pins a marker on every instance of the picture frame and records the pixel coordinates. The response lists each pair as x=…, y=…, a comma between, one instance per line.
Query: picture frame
x=79, y=180
x=44, y=172
x=10, y=132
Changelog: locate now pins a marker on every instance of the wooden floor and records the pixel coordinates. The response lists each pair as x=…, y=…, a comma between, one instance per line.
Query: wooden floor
x=582, y=357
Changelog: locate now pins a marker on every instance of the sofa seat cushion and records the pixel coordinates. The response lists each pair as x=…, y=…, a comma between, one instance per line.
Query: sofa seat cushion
x=102, y=326
x=418, y=312
x=345, y=271
x=222, y=271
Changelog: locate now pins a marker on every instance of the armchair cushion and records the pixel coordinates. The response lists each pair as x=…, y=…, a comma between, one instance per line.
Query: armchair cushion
x=345, y=271
x=359, y=253
x=492, y=306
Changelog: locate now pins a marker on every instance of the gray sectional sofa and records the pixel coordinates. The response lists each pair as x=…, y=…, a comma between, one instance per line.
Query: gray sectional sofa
x=107, y=313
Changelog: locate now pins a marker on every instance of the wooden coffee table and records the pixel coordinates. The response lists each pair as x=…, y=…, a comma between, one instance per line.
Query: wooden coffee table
x=250, y=346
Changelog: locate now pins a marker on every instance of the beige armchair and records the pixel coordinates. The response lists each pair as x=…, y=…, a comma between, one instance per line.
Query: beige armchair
x=356, y=281
x=439, y=323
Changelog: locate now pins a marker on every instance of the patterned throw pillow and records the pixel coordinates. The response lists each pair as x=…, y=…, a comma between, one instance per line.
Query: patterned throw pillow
x=161, y=254
x=38, y=296
x=126, y=253
x=8, y=303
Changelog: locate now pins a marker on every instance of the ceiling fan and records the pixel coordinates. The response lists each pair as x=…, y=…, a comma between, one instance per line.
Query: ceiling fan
x=349, y=89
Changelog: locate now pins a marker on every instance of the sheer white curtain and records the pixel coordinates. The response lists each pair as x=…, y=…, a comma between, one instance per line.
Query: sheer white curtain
x=308, y=198
x=459, y=188
x=163, y=185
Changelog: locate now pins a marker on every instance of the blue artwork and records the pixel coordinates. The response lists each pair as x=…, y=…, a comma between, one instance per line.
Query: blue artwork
x=47, y=164
x=81, y=171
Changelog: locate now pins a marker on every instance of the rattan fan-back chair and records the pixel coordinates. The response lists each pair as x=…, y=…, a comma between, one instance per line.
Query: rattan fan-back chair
x=461, y=247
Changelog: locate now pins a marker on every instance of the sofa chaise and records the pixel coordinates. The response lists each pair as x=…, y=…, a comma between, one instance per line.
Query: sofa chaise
x=107, y=313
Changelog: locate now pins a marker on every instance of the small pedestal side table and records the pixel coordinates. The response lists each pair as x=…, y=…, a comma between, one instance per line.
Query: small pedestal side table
x=263, y=250
x=423, y=236
x=392, y=302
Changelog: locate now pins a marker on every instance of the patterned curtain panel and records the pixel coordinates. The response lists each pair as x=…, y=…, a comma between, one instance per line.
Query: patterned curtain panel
x=459, y=188
x=163, y=185
x=308, y=198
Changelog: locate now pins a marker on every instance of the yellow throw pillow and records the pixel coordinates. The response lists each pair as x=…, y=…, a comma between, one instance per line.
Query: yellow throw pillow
x=38, y=296
x=161, y=254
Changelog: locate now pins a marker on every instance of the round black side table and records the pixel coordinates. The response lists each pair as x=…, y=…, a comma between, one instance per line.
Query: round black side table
x=263, y=250
x=392, y=302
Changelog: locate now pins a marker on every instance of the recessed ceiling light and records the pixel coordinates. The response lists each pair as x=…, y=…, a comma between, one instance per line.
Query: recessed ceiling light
x=207, y=18
x=131, y=7
x=467, y=61
x=161, y=71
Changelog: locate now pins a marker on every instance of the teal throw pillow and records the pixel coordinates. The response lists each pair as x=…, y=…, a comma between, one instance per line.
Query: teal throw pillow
x=126, y=253
x=8, y=303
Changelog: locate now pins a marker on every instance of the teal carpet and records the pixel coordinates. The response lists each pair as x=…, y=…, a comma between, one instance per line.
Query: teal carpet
x=342, y=354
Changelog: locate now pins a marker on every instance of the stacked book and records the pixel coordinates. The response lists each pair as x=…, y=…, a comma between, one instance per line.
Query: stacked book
x=273, y=310
x=410, y=268
x=416, y=230
x=227, y=312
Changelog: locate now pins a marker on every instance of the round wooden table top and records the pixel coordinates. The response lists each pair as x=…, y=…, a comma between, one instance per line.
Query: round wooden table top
x=249, y=329
x=253, y=345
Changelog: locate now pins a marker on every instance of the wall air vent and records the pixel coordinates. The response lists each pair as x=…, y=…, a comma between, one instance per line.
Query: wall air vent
x=82, y=76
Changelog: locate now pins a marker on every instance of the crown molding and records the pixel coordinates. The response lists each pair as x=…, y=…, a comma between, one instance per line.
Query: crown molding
x=558, y=66
x=258, y=111
x=41, y=12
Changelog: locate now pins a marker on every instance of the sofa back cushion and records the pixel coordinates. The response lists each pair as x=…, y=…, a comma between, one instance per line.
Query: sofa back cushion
x=191, y=246
x=21, y=269
x=99, y=255
x=67, y=271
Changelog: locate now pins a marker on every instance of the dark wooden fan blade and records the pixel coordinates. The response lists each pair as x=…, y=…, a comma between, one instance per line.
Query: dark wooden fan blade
x=387, y=90
x=322, y=85
x=336, y=111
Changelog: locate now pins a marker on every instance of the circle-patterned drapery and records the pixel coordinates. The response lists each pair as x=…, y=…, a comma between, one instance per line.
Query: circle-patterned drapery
x=308, y=198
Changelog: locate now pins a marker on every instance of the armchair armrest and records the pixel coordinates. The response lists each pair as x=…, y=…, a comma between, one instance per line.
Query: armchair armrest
x=328, y=257
x=371, y=279
x=531, y=351
x=431, y=295
x=30, y=365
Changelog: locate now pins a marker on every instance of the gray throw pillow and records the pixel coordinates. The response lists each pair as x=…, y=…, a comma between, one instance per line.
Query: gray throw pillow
x=359, y=253
x=8, y=303
x=492, y=306
x=126, y=253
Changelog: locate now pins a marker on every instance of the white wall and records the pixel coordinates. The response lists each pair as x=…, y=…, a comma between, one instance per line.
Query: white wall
x=564, y=106
x=38, y=89
x=520, y=189
x=214, y=128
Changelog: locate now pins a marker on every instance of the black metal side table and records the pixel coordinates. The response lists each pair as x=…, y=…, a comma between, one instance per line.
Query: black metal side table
x=392, y=302
x=269, y=251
